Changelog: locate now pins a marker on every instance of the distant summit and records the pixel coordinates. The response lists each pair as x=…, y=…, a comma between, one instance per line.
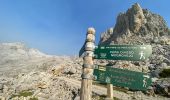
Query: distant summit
x=137, y=26
x=18, y=49
x=140, y=26
x=17, y=58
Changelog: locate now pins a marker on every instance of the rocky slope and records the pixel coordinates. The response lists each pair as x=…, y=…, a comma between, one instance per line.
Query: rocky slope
x=29, y=72
x=140, y=26
x=15, y=57
x=43, y=77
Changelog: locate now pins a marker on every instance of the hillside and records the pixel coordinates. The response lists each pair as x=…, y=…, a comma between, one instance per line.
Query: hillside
x=26, y=76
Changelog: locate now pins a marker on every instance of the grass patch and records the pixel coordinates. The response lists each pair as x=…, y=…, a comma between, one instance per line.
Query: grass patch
x=23, y=93
x=114, y=98
x=165, y=73
x=33, y=98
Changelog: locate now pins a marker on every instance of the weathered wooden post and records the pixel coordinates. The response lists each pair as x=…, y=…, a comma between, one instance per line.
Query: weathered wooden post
x=87, y=72
x=109, y=92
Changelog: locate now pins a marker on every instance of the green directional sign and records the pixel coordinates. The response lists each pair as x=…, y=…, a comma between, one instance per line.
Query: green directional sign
x=123, y=52
x=100, y=74
x=123, y=78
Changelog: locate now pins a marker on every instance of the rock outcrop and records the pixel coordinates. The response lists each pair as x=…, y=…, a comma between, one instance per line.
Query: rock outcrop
x=137, y=26
x=140, y=26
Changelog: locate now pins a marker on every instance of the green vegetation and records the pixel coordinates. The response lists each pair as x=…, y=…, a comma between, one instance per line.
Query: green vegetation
x=33, y=98
x=114, y=98
x=24, y=94
x=165, y=73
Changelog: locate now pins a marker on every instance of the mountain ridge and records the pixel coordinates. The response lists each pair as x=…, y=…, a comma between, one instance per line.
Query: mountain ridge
x=137, y=23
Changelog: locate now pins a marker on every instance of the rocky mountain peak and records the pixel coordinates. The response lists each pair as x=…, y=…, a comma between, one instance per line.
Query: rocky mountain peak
x=136, y=18
x=136, y=26
x=140, y=26
x=136, y=8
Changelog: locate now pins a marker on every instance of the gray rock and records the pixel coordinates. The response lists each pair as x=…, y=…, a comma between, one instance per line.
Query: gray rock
x=151, y=66
x=155, y=73
x=163, y=87
x=1, y=86
x=41, y=98
x=156, y=40
x=72, y=71
x=164, y=66
x=77, y=98
x=2, y=98
x=5, y=89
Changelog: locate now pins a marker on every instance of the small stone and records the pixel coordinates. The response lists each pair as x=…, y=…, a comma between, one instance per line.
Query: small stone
x=5, y=89
x=155, y=73
x=156, y=40
x=42, y=95
x=2, y=98
x=164, y=65
x=163, y=86
x=73, y=70
x=154, y=79
x=42, y=85
x=41, y=98
x=1, y=86
x=77, y=98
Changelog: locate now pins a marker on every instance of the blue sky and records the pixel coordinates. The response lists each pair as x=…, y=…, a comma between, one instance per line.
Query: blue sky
x=59, y=26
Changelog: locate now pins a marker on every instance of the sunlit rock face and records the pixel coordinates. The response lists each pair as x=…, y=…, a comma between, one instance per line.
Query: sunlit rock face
x=140, y=26
x=136, y=26
x=136, y=18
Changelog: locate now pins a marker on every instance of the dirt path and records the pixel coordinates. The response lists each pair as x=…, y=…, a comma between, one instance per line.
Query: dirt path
x=103, y=91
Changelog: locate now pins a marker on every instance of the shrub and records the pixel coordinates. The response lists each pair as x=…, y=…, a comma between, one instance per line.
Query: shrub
x=165, y=73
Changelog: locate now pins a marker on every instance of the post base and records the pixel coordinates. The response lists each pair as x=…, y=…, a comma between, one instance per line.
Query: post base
x=108, y=98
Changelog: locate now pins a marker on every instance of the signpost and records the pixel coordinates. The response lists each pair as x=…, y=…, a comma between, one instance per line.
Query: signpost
x=87, y=70
x=112, y=76
x=123, y=52
x=123, y=78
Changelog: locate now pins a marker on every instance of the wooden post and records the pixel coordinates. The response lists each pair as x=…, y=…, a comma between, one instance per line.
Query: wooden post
x=109, y=92
x=87, y=72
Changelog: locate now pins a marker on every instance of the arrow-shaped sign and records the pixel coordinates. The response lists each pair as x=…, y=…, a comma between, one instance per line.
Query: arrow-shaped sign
x=123, y=52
